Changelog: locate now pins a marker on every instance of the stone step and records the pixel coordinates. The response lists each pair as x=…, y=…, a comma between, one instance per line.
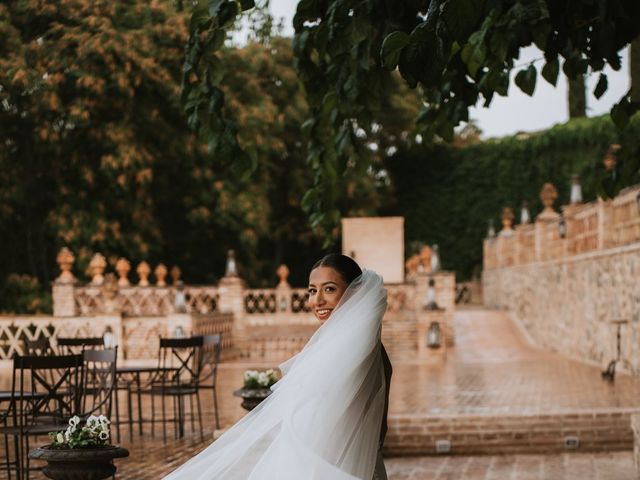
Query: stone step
x=493, y=434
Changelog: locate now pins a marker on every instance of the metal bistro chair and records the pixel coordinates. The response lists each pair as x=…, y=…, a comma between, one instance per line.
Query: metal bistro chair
x=38, y=347
x=46, y=392
x=210, y=358
x=71, y=345
x=177, y=377
x=99, y=381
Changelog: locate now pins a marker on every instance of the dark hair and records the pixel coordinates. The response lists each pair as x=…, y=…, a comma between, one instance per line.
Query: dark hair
x=347, y=267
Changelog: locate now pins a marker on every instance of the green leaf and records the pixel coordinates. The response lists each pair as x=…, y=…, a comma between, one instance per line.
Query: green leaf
x=550, y=71
x=474, y=53
x=620, y=112
x=392, y=48
x=526, y=80
x=602, y=86
x=461, y=17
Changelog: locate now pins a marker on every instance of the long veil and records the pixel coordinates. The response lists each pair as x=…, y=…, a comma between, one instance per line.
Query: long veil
x=323, y=419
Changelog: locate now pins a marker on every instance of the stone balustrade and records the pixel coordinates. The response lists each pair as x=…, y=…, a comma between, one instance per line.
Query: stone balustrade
x=589, y=227
x=268, y=323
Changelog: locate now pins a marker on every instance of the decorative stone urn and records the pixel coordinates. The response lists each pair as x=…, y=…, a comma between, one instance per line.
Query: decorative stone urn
x=507, y=221
x=251, y=397
x=548, y=195
x=79, y=463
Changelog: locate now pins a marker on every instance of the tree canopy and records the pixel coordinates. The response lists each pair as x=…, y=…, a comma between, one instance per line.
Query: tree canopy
x=455, y=52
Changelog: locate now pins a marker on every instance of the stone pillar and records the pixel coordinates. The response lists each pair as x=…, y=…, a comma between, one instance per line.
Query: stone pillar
x=283, y=290
x=64, y=304
x=231, y=291
x=445, y=297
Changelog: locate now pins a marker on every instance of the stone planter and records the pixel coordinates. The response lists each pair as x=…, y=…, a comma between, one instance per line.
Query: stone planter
x=79, y=463
x=251, y=398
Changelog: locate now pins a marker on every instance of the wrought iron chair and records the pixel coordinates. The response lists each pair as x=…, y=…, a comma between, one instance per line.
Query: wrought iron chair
x=77, y=345
x=46, y=392
x=39, y=346
x=210, y=358
x=99, y=381
x=177, y=377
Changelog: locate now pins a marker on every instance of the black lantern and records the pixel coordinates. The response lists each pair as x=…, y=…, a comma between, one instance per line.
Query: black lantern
x=430, y=302
x=109, y=338
x=433, y=335
x=562, y=227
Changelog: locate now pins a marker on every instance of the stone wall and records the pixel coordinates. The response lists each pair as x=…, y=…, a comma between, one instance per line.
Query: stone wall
x=568, y=305
x=568, y=289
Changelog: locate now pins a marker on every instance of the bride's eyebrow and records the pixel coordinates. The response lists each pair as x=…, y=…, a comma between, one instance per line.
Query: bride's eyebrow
x=323, y=284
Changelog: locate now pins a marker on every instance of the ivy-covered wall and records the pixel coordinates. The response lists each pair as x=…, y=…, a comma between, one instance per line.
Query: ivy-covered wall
x=448, y=194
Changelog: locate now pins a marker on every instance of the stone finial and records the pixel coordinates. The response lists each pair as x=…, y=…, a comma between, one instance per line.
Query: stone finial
x=525, y=216
x=283, y=274
x=507, y=221
x=96, y=268
x=611, y=157
x=110, y=293
x=548, y=195
x=161, y=274
x=175, y=273
x=123, y=267
x=65, y=260
x=491, y=231
x=143, y=271
x=412, y=264
x=231, y=269
x=435, y=259
x=576, y=190
x=425, y=257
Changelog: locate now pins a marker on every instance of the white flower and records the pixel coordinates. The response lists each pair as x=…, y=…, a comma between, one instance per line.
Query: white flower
x=60, y=438
x=74, y=421
x=104, y=435
x=67, y=436
x=263, y=379
x=104, y=420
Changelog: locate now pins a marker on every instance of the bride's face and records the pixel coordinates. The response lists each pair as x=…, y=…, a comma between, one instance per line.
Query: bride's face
x=326, y=288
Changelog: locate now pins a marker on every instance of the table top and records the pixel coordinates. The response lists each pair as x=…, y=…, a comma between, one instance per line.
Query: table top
x=142, y=369
x=6, y=395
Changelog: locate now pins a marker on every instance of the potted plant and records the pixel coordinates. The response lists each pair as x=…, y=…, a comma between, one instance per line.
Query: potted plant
x=256, y=387
x=81, y=452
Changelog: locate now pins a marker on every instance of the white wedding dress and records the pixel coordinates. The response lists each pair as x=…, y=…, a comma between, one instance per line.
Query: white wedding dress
x=323, y=419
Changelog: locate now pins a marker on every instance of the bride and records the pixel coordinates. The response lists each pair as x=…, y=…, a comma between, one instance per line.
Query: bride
x=326, y=417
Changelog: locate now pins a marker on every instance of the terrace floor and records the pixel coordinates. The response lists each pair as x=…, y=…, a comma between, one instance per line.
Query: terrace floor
x=491, y=372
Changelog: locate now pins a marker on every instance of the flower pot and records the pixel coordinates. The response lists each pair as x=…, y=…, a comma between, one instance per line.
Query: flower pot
x=79, y=463
x=251, y=398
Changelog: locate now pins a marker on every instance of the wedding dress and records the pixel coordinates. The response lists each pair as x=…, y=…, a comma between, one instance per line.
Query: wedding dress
x=323, y=419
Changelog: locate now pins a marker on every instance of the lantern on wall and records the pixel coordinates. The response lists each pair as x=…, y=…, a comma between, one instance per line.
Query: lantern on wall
x=430, y=300
x=562, y=227
x=179, y=332
x=180, y=299
x=109, y=338
x=433, y=335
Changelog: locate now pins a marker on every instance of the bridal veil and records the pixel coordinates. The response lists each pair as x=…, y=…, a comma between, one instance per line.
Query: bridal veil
x=322, y=421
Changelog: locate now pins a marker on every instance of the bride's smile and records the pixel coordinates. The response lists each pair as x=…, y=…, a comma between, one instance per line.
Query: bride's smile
x=326, y=287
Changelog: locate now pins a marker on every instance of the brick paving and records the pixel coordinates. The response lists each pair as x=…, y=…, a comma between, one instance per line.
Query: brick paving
x=492, y=374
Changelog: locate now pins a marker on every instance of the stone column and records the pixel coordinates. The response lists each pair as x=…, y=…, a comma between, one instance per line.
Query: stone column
x=283, y=290
x=64, y=304
x=231, y=289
